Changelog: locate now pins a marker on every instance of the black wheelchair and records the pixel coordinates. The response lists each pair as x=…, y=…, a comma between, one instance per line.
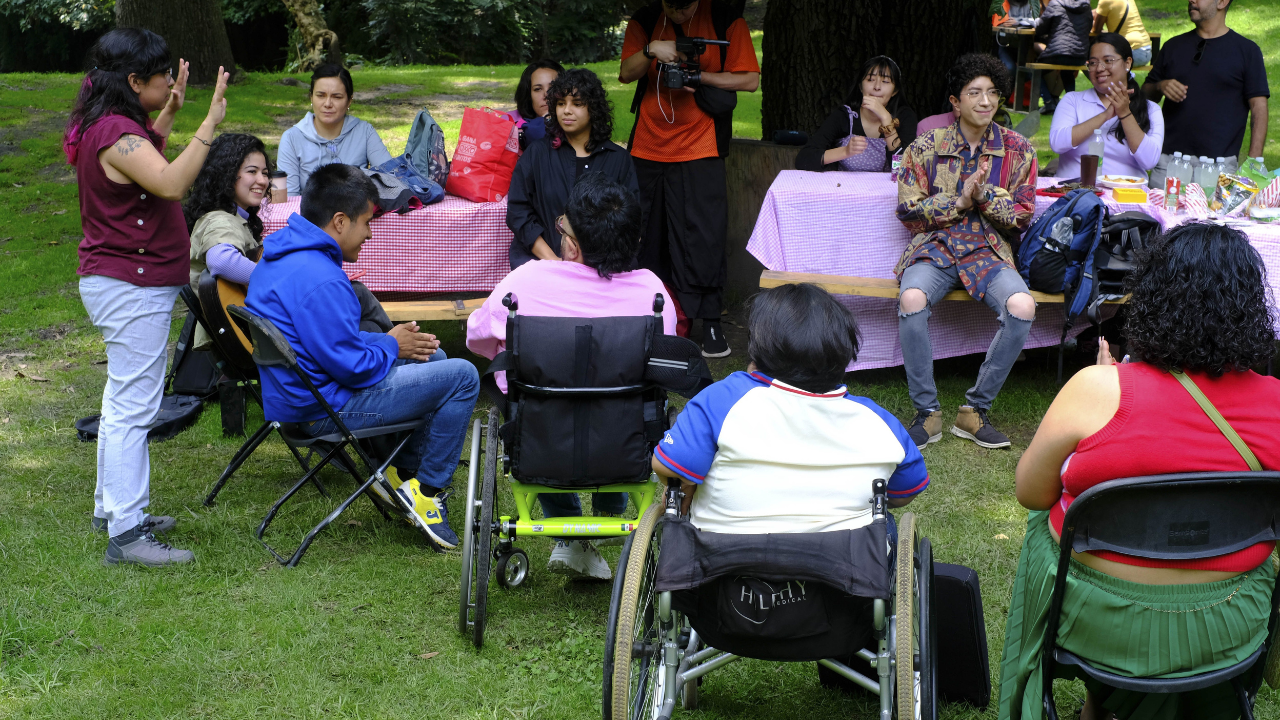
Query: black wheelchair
x=585, y=404
x=686, y=602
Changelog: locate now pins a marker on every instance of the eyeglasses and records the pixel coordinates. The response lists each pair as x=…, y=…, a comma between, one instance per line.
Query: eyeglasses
x=560, y=228
x=993, y=95
x=1199, y=51
x=1108, y=61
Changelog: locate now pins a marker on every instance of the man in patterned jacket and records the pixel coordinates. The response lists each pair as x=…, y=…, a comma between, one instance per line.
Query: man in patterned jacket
x=965, y=191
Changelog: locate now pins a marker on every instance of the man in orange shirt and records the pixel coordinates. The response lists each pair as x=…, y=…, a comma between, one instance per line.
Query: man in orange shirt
x=679, y=147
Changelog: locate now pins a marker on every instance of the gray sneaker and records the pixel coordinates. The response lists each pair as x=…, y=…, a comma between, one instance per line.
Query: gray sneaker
x=140, y=547
x=609, y=541
x=150, y=523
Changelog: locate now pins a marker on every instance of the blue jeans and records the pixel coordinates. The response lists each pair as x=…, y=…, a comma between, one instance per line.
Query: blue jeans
x=1142, y=56
x=568, y=505
x=440, y=389
x=917, y=349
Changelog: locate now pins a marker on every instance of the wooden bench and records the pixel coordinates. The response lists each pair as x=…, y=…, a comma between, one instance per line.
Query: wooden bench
x=888, y=288
x=430, y=310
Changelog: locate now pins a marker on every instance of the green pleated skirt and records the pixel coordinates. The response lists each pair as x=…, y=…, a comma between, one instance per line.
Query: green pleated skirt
x=1129, y=629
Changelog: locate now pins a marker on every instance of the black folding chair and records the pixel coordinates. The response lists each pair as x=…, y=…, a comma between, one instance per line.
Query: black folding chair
x=271, y=349
x=237, y=364
x=1169, y=517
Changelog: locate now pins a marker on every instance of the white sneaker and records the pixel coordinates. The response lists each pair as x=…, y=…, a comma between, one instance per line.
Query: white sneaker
x=578, y=558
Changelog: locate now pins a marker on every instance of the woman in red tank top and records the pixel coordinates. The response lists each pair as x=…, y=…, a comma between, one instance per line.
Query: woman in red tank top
x=1199, y=304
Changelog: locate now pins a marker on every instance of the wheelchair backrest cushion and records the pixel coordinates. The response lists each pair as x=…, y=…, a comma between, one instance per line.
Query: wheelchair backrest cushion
x=580, y=440
x=771, y=458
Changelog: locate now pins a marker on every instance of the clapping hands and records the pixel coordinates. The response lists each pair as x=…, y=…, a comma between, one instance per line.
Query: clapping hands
x=971, y=185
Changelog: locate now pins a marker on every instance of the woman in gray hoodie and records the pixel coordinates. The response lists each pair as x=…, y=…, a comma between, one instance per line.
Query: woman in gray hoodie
x=328, y=134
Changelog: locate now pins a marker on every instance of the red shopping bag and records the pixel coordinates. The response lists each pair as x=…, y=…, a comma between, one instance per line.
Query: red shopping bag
x=488, y=147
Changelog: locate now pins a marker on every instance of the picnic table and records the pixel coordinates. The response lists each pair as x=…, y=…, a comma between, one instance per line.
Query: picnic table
x=839, y=223
x=451, y=246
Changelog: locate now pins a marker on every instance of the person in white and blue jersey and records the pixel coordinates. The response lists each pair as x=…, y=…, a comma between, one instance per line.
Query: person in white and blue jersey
x=784, y=447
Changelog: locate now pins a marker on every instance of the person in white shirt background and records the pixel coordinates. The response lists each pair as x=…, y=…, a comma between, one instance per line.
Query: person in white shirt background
x=1132, y=125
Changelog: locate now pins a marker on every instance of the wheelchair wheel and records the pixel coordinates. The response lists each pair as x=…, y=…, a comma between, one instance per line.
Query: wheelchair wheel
x=638, y=669
x=479, y=557
x=915, y=684
x=512, y=569
x=611, y=628
x=468, y=529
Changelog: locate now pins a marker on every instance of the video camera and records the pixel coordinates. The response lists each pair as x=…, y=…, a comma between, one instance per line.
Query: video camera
x=688, y=72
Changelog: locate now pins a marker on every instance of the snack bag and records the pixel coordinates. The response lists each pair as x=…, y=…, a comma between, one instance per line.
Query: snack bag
x=1232, y=193
x=1197, y=205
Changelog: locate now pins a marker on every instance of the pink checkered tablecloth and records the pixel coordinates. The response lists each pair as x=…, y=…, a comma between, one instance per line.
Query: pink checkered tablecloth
x=839, y=223
x=454, y=245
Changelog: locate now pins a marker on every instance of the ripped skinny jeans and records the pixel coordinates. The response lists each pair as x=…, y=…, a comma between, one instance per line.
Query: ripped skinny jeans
x=917, y=349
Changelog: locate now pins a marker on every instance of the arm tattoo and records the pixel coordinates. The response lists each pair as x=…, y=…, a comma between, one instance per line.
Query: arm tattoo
x=128, y=144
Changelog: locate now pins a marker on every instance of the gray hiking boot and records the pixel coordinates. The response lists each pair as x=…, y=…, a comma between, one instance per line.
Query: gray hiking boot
x=140, y=547
x=150, y=523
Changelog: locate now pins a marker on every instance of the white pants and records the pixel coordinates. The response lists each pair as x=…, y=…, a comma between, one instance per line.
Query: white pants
x=134, y=322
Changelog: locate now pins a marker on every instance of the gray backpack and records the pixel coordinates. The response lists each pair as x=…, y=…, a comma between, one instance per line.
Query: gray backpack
x=425, y=148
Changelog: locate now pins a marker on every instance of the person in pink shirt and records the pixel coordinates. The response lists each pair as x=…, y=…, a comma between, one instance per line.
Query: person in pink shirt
x=594, y=277
x=1132, y=124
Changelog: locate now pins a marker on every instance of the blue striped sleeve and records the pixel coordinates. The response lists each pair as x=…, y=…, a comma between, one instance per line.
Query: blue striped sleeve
x=690, y=446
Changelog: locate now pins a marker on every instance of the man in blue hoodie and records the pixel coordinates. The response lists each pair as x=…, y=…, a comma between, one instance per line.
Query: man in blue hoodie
x=369, y=378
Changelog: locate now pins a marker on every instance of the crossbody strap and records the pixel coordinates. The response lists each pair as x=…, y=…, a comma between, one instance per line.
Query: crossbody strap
x=1232, y=436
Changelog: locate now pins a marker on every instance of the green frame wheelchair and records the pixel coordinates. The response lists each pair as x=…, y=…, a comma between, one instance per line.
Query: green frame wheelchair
x=586, y=403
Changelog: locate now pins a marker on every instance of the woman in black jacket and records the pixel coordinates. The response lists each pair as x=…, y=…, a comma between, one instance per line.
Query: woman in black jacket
x=865, y=132
x=578, y=130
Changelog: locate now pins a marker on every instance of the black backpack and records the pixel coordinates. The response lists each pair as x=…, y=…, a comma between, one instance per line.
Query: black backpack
x=1122, y=236
x=722, y=16
x=193, y=372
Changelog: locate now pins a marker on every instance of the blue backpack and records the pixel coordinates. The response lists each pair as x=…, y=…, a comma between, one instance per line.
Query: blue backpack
x=425, y=148
x=1057, y=252
x=403, y=169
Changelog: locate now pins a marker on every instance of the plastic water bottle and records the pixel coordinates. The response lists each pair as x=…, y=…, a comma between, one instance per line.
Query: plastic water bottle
x=1219, y=167
x=1256, y=170
x=1206, y=173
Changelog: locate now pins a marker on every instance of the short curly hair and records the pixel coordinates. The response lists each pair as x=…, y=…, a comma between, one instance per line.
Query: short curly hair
x=976, y=65
x=587, y=87
x=1200, y=302
x=215, y=186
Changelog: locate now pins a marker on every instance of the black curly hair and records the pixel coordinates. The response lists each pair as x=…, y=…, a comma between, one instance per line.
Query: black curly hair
x=1200, y=302
x=976, y=65
x=605, y=219
x=215, y=186
x=587, y=87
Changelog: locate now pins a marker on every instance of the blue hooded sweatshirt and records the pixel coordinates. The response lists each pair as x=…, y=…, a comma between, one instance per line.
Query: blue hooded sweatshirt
x=299, y=285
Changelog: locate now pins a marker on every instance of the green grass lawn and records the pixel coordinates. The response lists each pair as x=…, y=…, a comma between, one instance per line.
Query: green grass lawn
x=365, y=627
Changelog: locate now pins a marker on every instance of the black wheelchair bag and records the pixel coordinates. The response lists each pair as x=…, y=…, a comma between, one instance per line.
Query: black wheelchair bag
x=964, y=672
x=779, y=596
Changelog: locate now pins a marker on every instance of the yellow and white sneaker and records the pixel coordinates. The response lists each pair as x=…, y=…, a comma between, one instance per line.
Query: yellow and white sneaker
x=429, y=513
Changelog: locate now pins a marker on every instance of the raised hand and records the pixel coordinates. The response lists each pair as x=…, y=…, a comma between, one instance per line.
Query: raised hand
x=178, y=93
x=218, y=106
x=875, y=106
x=971, y=185
x=1118, y=96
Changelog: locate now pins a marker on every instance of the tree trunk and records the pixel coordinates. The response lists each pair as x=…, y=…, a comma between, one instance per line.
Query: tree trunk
x=320, y=44
x=193, y=29
x=815, y=49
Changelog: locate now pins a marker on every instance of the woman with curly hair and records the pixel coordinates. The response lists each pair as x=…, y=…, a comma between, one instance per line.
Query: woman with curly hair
x=1199, y=306
x=578, y=131
x=226, y=232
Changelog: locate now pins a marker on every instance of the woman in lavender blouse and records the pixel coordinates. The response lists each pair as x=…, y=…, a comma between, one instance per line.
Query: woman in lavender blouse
x=865, y=132
x=1132, y=125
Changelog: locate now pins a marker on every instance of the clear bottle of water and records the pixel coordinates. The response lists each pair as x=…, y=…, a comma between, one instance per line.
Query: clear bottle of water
x=1202, y=174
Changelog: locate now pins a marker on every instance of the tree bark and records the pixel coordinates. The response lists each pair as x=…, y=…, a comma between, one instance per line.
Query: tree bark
x=815, y=49
x=320, y=44
x=192, y=28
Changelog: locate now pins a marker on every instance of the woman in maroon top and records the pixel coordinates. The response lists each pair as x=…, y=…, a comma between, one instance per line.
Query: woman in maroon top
x=133, y=259
x=1199, y=304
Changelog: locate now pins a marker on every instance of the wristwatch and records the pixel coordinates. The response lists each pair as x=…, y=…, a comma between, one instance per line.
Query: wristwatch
x=646, y=51
x=988, y=193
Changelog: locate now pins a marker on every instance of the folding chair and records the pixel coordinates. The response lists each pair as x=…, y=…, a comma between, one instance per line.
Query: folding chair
x=236, y=362
x=1169, y=517
x=271, y=349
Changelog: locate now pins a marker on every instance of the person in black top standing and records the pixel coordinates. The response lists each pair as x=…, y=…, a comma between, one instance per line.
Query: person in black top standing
x=579, y=125
x=864, y=132
x=1213, y=80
